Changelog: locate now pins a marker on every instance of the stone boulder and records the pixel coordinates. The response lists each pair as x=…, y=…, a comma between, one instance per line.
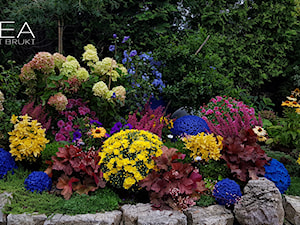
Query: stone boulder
x=212, y=215
x=4, y=198
x=261, y=204
x=106, y=218
x=142, y=214
x=26, y=219
x=291, y=206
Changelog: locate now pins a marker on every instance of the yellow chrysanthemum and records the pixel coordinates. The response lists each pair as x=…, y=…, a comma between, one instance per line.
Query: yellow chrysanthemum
x=204, y=145
x=27, y=140
x=130, y=153
x=98, y=132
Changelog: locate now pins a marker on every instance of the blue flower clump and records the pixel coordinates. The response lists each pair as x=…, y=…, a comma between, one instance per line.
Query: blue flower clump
x=38, y=181
x=189, y=124
x=227, y=192
x=7, y=162
x=277, y=173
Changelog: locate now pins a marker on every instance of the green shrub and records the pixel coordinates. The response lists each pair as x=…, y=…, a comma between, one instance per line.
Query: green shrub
x=294, y=188
x=206, y=200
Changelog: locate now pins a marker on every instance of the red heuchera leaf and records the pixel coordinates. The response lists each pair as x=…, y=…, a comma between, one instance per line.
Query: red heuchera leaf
x=67, y=159
x=87, y=186
x=172, y=182
x=65, y=183
x=244, y=157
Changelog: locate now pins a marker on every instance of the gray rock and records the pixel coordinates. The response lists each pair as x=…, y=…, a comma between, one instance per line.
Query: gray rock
x=142, y=214
x=4, y=198
x=26, y=219
x=291, y=206
x=261, y=204
x=212, y=215
x=107, y=218
x=179, y=113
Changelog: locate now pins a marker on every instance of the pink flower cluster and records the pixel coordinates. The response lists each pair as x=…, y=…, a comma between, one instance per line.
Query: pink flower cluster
x=43, y=61
x=59, y=101
x=67, y=125
x=219, y=106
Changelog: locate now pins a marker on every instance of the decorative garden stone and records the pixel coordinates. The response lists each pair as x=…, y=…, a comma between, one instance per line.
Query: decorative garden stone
x=143, y=214
x=261, y=204
x=212, y=215
x=291, y=206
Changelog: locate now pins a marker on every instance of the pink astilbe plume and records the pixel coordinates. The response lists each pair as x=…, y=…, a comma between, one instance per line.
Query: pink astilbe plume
x=150, y=121
x=37, y=113
x=232, y=125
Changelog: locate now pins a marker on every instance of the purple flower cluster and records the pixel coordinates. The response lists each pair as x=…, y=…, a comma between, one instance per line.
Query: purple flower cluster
x=119, y=126
x=7, y=162
x=38, y=181
x=227, y=192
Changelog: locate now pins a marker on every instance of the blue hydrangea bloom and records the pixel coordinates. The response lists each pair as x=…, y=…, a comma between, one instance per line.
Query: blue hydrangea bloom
x=7, y=162
x=38, y=181
x=189, y=124
x=277, y=173
x=227, y=192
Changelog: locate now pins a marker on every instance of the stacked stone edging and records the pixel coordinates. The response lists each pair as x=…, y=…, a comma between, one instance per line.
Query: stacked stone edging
x=142, y=214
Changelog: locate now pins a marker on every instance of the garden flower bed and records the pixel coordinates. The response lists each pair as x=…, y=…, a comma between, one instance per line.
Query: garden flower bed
x=88, y=140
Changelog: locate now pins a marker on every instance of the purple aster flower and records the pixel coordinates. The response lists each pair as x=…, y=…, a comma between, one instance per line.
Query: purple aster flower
x=111, y=48
x=115, y=36
x=116, y=128
x=125, y=39
x=133, y=53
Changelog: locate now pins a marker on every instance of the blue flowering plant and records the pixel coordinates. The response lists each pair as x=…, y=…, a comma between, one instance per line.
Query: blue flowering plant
x=277, y=173
x=227, y=192
x=38, y=181
x=144, y=79
x=189, y=125
x=7, y=163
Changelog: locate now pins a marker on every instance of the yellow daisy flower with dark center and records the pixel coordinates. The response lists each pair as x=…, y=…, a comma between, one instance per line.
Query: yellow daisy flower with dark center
x=98, y=132
x=286, y=103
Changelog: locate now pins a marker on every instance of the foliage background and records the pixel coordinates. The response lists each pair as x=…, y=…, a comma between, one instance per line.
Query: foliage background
x=253, y=46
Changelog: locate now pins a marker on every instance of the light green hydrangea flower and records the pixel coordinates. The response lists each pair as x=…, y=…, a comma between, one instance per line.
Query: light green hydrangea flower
x=82, y=74
x=100, y=89
x=59, y=59
x=69, y=68
x=90, y=54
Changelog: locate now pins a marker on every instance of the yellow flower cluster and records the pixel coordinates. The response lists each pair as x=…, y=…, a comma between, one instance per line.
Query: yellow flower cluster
x=292, y=100
x=298, y=161
x=204, y=145
x=168, y=122
x=27, y=140
x=126, y=157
